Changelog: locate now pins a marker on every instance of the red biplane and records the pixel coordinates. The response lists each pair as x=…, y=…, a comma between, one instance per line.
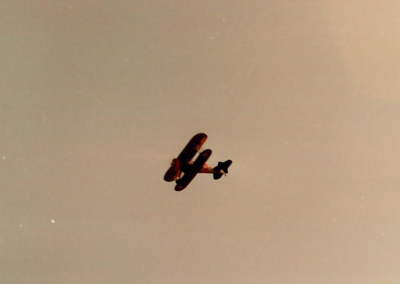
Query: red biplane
x=184, y=164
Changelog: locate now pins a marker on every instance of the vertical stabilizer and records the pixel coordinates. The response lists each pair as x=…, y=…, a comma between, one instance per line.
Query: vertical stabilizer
x=221, y=166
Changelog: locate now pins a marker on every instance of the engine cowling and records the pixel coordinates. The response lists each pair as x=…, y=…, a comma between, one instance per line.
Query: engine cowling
x=175, y=165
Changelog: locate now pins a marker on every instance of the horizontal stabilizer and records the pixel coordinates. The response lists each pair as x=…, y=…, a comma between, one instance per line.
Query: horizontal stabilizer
x=217, y=175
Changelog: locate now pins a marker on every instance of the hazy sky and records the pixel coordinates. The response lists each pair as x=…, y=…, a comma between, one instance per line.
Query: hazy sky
x=97, y=98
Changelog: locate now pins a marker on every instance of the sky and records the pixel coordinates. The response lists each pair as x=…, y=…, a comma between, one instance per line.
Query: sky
x=98, y=97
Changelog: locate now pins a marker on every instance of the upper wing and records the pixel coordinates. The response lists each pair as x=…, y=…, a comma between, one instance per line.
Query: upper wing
x=192, y=147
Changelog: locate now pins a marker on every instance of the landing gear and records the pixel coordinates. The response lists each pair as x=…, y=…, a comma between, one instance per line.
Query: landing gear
x=179, y=185
x=178, y=176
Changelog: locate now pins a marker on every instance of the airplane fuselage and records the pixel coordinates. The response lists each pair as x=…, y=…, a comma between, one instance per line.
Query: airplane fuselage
x=206, y=169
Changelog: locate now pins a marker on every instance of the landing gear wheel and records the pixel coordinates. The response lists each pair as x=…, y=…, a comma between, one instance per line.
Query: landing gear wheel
x=178, y=188
x=179, y=185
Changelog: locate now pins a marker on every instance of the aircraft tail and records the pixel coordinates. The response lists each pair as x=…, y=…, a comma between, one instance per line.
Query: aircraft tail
x=221, y=166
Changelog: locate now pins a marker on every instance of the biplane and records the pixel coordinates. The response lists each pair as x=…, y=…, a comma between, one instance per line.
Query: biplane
x=184, y=164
